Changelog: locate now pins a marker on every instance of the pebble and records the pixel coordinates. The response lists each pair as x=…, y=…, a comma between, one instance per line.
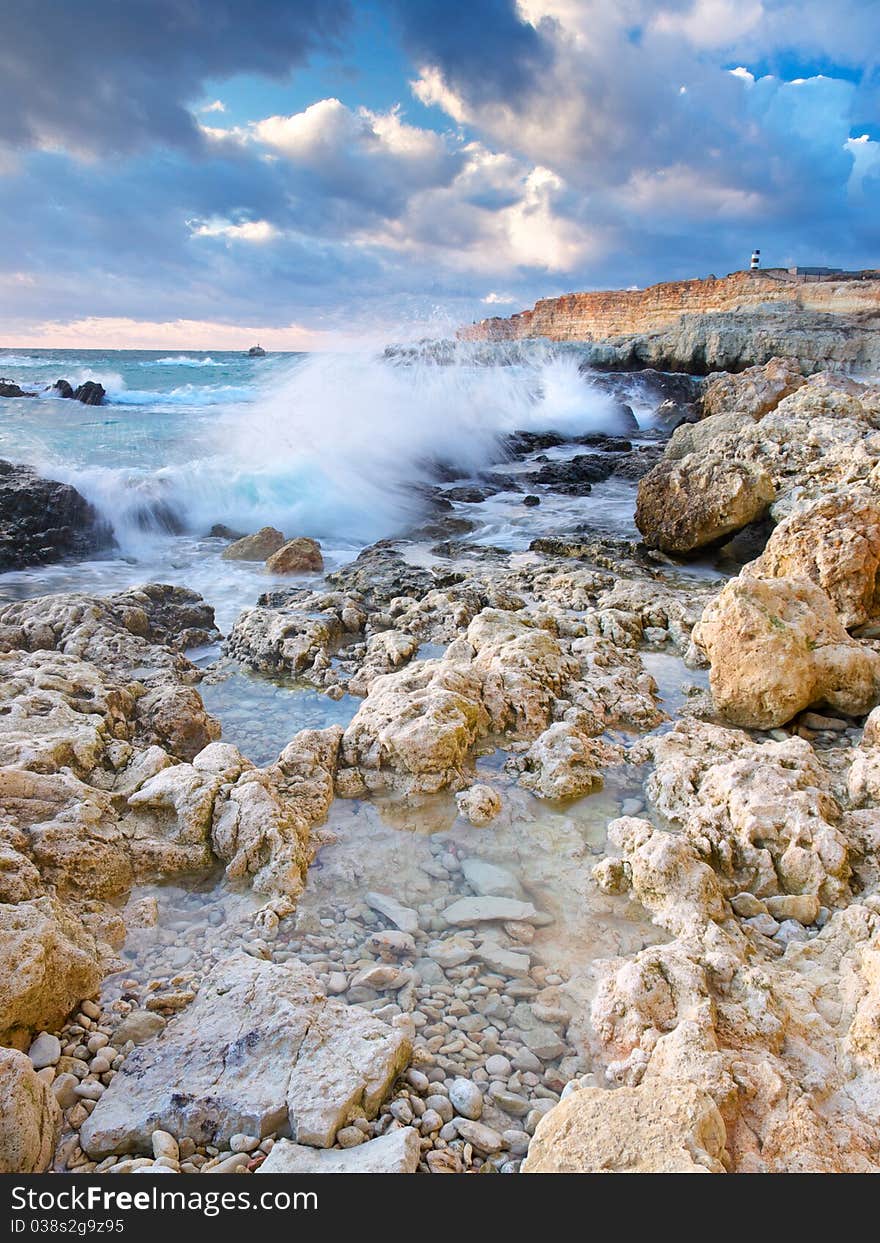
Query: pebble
x=482, y=1137
x=441, y=1105
x=350, y=1137
x=790, y=930
x=430, y=1121
x=511, y=1102
x=244, y=1143
x=747, y=905
x=165, y=1145
x=403, y=917
x=64, y=1087
x=803, y=907
x=45, y=1051
x=417, y=1080
x=466, y=1098
x=499, y=1067
x=765, y=924
x=336, y=983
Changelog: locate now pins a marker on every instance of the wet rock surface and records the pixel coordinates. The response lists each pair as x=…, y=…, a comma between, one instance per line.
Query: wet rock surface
x=42, y=520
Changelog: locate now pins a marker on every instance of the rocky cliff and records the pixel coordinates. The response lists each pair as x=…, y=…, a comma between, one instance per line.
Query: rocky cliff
x=714, y=324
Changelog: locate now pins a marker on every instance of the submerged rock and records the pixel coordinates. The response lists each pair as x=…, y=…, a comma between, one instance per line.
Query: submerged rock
x=260, y=1050
x=297, y=556
x=256, y=547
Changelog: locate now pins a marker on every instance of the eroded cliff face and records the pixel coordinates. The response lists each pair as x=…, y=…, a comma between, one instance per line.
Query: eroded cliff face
x=722, y=323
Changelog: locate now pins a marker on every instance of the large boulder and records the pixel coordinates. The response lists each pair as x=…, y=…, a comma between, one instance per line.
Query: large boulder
x=834, y=542
x=260, y=1050
x=684, y=505
x=776, y=647
x=753, y=392
x=660, y=1127
x=30, y=1119
x=42, y=520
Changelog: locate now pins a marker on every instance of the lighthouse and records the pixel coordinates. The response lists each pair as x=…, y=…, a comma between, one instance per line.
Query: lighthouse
x=756, y=260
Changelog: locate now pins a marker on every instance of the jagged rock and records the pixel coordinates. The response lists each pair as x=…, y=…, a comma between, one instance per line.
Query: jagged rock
x=777, y=647
x=256, y=547
x=479, y=804
x=30, y=1120
x=260, y=1049
x=657, y=1128
x=297, y=556
x=753, y=392
x=42, y=520
x=9, y=389
x=48, y=963
x=835, y=542
x=686, y=504
x=398, y=1152
x=564, y=763
x=90, y=394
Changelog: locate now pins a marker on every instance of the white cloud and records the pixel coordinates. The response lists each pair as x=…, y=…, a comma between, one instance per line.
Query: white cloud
x=498, y=299
x=216, y=105
x=248, y=231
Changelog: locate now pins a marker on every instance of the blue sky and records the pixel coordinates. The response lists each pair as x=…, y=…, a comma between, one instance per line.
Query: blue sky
x=201, y=172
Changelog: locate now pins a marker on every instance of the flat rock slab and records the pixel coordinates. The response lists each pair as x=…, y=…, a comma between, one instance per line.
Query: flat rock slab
x=403, y=917
x=468, y=911
x=395, y=1153
x=261, y=1049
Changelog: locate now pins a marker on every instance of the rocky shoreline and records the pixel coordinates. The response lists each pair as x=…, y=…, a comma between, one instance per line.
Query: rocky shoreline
x=545, y=902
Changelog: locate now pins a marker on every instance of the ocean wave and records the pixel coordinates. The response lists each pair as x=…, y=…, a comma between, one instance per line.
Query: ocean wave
x=334, y=446
x=190, y=395
x=182, y=360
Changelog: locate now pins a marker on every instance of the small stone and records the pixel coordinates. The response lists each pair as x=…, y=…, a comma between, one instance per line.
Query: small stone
x=441, y=1105
x=165, y=1145
x=480, y=804
x=803, y=907
x=511, y=1102
x=506, y=961
x=499, y=1067
x=45, y=1051
x=350, y=1137
x=790, y=930
x=402, y=1111
x=417, y=1080
x=525, y=1060
x=64, y=1087
x=468, y=911
x=765, y=924
x=91, y=1010
x=403, y=917
x=748, y=906
x=139, y=1026
x=336, y=983
x=466, y=1098
x=483, y=1138
x=430, y=1122
x=244, y=1143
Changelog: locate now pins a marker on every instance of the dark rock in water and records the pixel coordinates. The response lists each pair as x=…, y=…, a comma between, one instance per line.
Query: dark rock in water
x=8, y=388
x=160, y=517
x=531, y=501
x=574, y=476
x=609, y=444
x=521, y=444
x=90, y=394
x=471, y=494
x=219, y=531
x=636, y=464
x=42, y=520
x=620, y=418
x=674, y=396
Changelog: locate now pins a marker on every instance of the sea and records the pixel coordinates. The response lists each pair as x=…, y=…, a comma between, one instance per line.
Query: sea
x=336, y=446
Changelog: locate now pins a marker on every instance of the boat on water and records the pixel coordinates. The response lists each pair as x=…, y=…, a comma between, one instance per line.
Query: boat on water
x=256, y=351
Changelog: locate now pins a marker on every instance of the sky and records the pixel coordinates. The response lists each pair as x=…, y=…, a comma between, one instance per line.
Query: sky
x=208, y=173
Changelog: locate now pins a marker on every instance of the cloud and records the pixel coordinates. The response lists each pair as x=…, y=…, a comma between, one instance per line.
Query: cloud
x=247, y=231
x=217, y=106
x=498, y=299
x=113, y=77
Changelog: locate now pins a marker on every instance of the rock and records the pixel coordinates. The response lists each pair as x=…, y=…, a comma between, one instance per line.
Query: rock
x=490, y=881
x=257, y=547
x=403, y=917
x=91, y=393
x=686, y=504
x=835, y=543
x=62, y=388
x=260, y=1049
x=398, y=1152
x=656, y=1128
x=564, y=763
x=48, y=962
x=138, y=1027
x=753, y=392
x=30, y=1119
x=467, y=911
x=42, y=521
x=9, y=389
x=803, y=907
x=165, y=1145
x=466, y=1098
x=44, y=1051
x=505, y=961
x=498, y=1067
x=483, y=1138
x=64, y=1089
x=776, y=647
x=297, y=556
x=479, y=804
